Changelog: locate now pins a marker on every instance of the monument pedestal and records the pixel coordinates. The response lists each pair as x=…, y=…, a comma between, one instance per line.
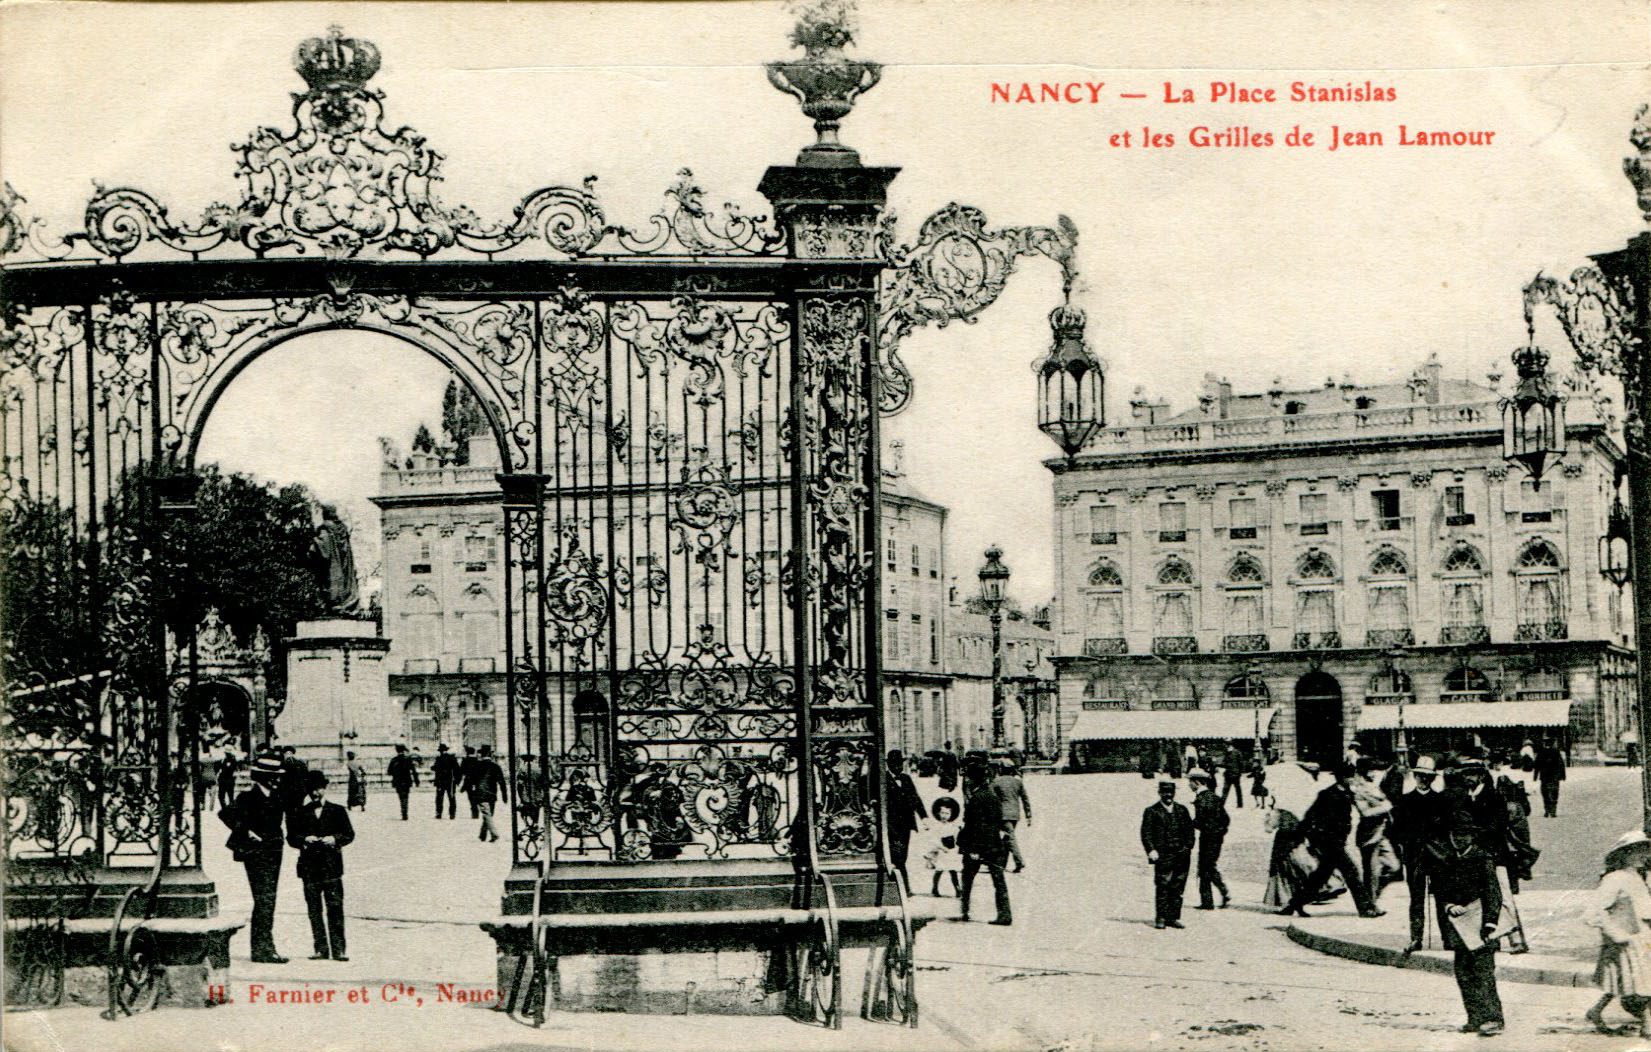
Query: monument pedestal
x=338, y=694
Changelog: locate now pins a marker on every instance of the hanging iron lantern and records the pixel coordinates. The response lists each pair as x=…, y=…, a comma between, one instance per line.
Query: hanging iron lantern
x=1533, y=420
x=1615, y=552
x=1071, y=384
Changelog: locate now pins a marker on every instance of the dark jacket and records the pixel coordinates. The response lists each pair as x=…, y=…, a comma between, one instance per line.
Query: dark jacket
x=319, y=861
x=254, y=821
x=1168, y=831
x=487, y=782
x=467, y=773
x=445, y=770
x=1550, y=764
x=1329, y=821
x=403, y=775
x=905, y=806
x=294, y=773
x=1209, y=818
x=1414, y=816
x=1011, y=796
x=983, y=827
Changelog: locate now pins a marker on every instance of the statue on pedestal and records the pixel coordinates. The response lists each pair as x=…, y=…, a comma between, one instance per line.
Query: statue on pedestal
x=335, y=563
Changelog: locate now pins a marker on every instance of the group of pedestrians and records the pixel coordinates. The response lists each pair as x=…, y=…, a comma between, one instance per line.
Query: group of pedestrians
x=969, y=827
x=478, y=776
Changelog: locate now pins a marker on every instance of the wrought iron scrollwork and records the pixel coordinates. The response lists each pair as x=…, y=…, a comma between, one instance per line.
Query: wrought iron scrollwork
x=956, y=269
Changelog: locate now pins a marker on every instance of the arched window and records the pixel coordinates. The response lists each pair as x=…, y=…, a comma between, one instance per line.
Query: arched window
x=418, y=637
x=1175, y=692
x=1244, y=692
x=1246, y=625
x=1104, y=609
x=1387, y=686
x=1316, y=565
x=1464, y=558
x=1465, y=683
x=478, y=613
x=1462, y=577
x=1175, y=571
x=1105, y=692
x=423, y=721
x=1536, y=584
x=1389, y=600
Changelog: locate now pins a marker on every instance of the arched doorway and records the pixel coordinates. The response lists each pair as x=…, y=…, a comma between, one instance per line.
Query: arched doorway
x=224, y=712
x=1318, y=718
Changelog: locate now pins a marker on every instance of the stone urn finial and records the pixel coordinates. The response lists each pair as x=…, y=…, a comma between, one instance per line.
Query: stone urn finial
x=825, y=80
x=1638, y=169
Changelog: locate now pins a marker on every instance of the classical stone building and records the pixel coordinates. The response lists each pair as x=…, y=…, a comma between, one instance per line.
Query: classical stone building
x=1294, y=565
x=443, y=596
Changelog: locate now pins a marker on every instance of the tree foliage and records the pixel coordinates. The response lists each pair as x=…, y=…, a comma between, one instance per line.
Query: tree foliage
x=461, y=420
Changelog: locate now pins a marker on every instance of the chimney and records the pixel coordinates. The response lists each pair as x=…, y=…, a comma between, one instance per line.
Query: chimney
x=1431, y=369
x=1225, y=390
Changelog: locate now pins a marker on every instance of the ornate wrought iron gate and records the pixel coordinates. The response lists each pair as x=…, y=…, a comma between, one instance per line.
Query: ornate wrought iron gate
x=688, y=415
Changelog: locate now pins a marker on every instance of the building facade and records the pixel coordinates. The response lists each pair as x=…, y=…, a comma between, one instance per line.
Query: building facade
x=1310, y=568
x=443, y=602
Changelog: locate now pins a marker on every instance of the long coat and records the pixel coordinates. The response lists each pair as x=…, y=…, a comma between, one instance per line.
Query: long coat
x=1211, y=820
x=254, y=821
x=1168, y=831
x=320, y=861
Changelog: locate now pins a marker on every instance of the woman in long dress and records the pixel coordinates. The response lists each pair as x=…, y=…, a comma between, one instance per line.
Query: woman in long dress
x=1294, y=787
x=357, y=795
x=1621, y=909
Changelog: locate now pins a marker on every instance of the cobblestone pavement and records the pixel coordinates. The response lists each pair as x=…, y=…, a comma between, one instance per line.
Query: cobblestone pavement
x=1081, y=968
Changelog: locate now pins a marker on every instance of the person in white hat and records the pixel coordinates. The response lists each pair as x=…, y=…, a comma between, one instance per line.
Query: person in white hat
x=1414, y=817
x=1621, y=909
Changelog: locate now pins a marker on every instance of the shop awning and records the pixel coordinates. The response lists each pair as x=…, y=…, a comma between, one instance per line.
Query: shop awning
x=1198, y=724
x=1467, y=714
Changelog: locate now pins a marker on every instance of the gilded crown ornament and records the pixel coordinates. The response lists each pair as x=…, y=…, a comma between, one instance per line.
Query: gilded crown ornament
x=825, y=81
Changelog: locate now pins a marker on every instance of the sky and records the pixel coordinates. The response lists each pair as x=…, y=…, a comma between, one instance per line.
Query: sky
x=1252, y=264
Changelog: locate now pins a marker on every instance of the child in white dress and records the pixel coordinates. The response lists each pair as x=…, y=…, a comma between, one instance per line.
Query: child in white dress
x=945, y=823
x=1621, y=910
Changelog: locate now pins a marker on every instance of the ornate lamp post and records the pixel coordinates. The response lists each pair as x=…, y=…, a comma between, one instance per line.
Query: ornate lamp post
x=1400, y=745
x=1071, y=384
x=1533, y=420
x=994, y=583
x=1252, y=673
x=1605, y=311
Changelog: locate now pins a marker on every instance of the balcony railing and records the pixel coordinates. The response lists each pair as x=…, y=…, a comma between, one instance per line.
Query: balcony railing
x=1314, y=529
x=1464, y=519
x=1172, y=536
x=1113, y=705
x=1316, y=640
x=421, y=666
x=1459, y=634
x=1105, y=646
x=1175, y=644
x=1241, y=533
x=1174, y=704
x=1535, y=631
x=1536, y=516
x=1389, y=637
x=1103, y=536
x=1302, y=427
x=1244, y=643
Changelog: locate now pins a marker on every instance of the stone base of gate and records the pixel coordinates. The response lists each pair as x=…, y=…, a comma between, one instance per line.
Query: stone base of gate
x=664, y=982
x=190, y=939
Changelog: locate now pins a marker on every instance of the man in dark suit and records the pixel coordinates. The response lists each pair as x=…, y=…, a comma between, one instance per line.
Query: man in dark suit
x=984, y=840
x=1550, y=771
x=1464, y=885
x=467, y=778
x=445, y=773
x=1326, y=827
x=904, y=810
x=487, y=785
x=403, y=776
x=293, y=774
x=1414, y=815
x=1210, y=819
x=1167, y=837
x=254, y=821
x=320, y=830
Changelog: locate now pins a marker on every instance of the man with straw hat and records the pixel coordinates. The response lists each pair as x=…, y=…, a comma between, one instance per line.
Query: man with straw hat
x=254, y=821
x=1414, y=816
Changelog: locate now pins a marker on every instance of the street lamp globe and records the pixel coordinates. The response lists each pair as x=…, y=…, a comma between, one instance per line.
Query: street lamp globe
x=1071, y=384
x=1533, y=420
x=994, y=579
x=1615, y=553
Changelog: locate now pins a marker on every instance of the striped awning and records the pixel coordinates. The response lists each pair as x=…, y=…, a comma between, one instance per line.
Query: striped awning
x=1467, y=714
x=1197, y=724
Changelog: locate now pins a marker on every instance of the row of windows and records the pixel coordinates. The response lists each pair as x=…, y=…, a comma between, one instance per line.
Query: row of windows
x=892, y=558
x=1313, y=513
x=1463, y=682
x=1317, y=565
x=902, y=642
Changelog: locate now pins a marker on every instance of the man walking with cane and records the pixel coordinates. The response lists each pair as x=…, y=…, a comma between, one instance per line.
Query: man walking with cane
x=1414, y=816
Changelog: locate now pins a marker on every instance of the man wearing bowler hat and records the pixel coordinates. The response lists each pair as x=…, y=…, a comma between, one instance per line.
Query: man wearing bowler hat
x=445, y=772
x=254, y=821
x=1210, y=819
x=1166, y=837
x=320, y=830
